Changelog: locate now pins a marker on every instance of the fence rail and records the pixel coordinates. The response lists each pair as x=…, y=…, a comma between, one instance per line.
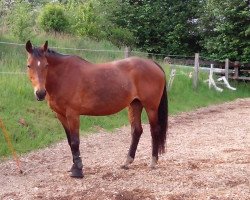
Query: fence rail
x=13, y=73
x=224, y=68
x=195, y=61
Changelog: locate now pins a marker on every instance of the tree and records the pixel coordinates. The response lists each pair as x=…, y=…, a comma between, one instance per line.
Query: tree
x=160, y=26
x=20, y=19
x=53, y=18
x=84, y=19
x=226, y=30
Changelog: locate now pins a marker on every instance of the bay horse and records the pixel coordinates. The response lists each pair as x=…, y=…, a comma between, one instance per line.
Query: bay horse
x=73, y=86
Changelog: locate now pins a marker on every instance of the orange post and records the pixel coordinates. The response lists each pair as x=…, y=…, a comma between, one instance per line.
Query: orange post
x=7, y=139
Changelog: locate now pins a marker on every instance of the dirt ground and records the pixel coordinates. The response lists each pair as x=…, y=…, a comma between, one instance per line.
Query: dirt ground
x=208, y=157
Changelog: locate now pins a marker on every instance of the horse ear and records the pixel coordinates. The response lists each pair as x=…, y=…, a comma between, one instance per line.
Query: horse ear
x=29, y=47
x=45, y=46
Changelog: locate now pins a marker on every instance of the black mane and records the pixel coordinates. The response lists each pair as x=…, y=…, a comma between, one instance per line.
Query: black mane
x=38, y=52
x=53, y=52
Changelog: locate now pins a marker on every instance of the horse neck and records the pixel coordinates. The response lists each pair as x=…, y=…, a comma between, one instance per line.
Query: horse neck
x=53, y=77
x=53, y=59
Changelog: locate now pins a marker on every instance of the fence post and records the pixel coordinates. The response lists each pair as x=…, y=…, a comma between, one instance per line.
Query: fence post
x=227, y=68
x=127, y=52
x=196, y=71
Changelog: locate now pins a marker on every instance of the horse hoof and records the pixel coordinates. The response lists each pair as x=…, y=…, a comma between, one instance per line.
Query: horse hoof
x=153, y=162
x=79, y=176
x=125, y=167
x=76, y=173
x=152, y=167
x=72, y=168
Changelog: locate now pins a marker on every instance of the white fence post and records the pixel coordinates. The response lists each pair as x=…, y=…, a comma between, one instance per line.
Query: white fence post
x=127, y=52
x=196, y=71
x=227, y=68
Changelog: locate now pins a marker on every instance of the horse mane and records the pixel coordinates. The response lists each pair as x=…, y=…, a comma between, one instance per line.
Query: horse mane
x=37, y=52
x=55, y=53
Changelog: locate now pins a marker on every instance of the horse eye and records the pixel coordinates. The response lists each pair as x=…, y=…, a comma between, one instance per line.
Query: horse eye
x=28, y=66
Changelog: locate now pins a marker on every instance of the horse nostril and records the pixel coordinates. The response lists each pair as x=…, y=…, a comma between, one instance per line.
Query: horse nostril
x=40, y=94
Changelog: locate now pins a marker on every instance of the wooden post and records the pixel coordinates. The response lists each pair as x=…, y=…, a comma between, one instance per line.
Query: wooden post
x=127, y=52
x=236, y=69
x=227, y=68
x=196, y=71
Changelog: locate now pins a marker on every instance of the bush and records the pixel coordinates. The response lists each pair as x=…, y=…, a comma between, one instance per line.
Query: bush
x=53, y=18
x=121, y=37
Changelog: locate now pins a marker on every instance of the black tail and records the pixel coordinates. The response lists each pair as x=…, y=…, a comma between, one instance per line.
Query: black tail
x=163, y=121
x=163, y=118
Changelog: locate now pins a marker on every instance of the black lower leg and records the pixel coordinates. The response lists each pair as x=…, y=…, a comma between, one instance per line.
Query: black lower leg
x=76, y=170
x=155, y=146
x=155, y=142
x=136, y=135
x=68, y=135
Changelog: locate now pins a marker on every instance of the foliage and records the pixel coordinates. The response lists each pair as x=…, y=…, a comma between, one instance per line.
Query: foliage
x=20, y=20
x=159, y=26
x=121, y=37
x=217, y=29
x=225, y=28
x=84, y=20
x=53, y=18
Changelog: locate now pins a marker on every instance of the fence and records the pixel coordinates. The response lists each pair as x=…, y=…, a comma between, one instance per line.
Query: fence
x=13, y=56
x=196, y=62
x=229, y=69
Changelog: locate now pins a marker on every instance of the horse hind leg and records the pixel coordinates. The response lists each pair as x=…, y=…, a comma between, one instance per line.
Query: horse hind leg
x=134, y=113
x=155, y=132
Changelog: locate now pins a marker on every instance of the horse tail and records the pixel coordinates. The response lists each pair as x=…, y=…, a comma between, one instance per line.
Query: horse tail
x=163, y=120
x=163, y=117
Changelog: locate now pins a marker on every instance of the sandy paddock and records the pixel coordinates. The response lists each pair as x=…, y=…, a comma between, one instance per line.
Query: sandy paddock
x=208, y=157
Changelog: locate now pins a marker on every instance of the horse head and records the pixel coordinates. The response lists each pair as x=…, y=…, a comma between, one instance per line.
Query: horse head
x=37, y=68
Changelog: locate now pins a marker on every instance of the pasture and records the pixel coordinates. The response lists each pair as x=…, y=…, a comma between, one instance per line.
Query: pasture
x=207, y=158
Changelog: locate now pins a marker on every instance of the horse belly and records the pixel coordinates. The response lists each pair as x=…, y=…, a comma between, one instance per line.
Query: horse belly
x=103, y=108
x=107, y=102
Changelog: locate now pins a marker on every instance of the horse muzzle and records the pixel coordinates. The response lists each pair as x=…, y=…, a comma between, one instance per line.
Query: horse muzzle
x=40, y=94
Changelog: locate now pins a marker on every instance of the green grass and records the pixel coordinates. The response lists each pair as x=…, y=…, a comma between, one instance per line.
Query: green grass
x=184, y=98
x=41, y=128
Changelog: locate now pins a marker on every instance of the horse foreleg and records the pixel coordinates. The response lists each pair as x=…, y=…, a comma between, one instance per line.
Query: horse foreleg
x=73, y=124
x=134, y=113
x=64, y=123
